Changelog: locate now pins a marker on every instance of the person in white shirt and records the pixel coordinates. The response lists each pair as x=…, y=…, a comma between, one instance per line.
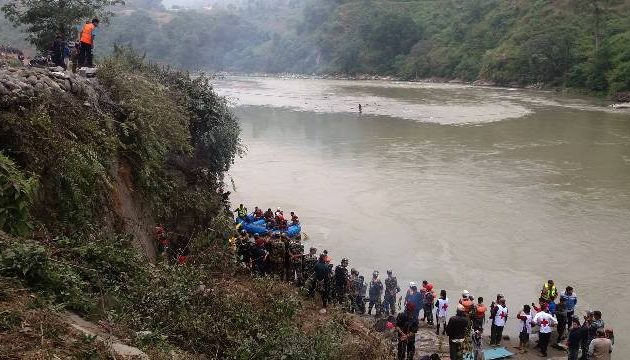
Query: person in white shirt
x=525, y=317
x=499, y=318
x=546, y=322
x=441, y=312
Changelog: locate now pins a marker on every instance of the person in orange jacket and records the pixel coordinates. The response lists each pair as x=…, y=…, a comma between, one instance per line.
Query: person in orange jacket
x=87, y=43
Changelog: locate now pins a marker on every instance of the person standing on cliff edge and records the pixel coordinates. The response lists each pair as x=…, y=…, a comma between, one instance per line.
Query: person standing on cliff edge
x=87, y=43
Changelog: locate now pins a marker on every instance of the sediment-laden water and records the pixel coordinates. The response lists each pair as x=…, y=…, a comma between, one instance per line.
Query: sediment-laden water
x=485, y=189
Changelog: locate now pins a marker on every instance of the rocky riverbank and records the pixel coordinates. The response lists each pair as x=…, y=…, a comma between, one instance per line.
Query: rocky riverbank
x=18, y=83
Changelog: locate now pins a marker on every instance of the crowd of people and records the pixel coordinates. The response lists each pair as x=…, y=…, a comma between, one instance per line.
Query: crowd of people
x=77, y=54
x=273, y=220
x=284, y=257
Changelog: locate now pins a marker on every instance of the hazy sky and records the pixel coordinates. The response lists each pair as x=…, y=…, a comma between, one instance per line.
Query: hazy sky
x=187, y=3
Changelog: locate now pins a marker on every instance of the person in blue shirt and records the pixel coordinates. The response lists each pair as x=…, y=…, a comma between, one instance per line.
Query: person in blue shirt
x=414, y=297
x=570, y=301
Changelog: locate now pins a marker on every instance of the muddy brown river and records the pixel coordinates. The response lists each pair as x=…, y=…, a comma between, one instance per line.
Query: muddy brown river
x=485, y=189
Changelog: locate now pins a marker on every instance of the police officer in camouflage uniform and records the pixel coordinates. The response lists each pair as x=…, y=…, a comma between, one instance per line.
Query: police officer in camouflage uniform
x=391, y=289
x=296, y=254
x=355, y=287
x=244, y=247
x=309, y=267
x=376, y=294
x=277, y=255
x=341, y=281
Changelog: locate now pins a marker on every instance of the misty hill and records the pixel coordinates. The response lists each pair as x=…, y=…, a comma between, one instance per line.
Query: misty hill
x=574, y=43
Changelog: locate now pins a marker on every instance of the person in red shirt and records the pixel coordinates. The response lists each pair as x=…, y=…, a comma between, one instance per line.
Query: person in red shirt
x=294, y=219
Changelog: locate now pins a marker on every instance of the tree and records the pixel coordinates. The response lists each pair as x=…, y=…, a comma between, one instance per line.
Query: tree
x=44, y=19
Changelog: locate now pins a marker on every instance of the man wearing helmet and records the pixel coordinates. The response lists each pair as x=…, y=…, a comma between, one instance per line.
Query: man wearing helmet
x=341, y=281
x=391, y=289
x=376, y=294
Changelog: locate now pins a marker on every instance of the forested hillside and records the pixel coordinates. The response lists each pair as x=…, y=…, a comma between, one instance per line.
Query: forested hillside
x=573, y=43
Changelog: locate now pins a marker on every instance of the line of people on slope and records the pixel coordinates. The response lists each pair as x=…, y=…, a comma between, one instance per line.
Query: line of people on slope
x=285, y=258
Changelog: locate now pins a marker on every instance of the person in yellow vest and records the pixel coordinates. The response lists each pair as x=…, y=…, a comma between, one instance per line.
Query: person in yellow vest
x=549, y=291
x=86, y=41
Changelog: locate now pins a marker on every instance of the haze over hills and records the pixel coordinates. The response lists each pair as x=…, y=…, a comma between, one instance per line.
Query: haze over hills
x=573, y=43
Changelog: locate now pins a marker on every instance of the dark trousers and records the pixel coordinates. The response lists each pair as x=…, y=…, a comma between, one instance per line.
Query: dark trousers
x=322, y=290
x=543, y=342
x=496, y=334
x=570, y=319
x=85, y=55
x=573, y=353
x=428, y=313
x=562, y=323
x=375, y=302
x=389, y=304
x=407, y=347
x=455, y=350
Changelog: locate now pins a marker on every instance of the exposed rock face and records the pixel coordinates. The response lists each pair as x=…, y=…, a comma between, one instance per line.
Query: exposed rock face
x=22, y=83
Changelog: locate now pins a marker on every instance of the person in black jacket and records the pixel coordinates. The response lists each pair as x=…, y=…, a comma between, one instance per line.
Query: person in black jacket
x=456, y=331
x=322, y=273
x=407, y=326
x=575, y=339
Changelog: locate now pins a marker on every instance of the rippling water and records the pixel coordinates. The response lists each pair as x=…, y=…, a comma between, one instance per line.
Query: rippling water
x=485, y=189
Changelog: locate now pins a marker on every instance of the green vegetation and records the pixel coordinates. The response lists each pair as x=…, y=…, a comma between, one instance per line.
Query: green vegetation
x=65, y=162
x=16, y=196
x=44, y=19
x=572, y=43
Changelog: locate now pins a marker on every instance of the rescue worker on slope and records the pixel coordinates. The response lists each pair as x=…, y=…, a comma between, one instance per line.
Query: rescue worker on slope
x=341, y=281
x=407, y=326
x=309, y=265
x=241, y=212
x=466, y=302
x=391, y=289
x=322, y=277
x=376, y=294
x=480, y=315
x=87, y=43
x=296, y=253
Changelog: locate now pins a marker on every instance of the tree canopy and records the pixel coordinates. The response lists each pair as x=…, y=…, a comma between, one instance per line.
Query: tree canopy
x=44, y=19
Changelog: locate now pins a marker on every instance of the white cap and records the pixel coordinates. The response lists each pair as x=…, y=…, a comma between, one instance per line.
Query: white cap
x=412, y=284
x=278, y=209
x=466, y=293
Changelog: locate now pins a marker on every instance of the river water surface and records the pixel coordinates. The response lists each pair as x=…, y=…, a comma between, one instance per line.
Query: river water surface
x=485, y=189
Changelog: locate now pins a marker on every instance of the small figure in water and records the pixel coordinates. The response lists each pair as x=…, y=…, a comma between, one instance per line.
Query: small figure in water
x=360, y=109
